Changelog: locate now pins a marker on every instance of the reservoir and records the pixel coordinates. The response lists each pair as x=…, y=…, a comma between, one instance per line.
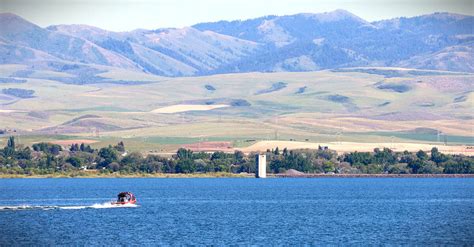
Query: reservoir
x=238, y=211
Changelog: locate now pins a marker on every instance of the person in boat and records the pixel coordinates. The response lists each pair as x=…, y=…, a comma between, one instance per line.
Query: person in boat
x=123, y=197
x=126, y=197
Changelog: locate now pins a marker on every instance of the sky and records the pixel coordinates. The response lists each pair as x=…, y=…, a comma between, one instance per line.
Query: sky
x=126, y=15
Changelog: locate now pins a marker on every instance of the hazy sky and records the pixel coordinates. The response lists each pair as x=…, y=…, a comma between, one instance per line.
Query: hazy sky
x=124, y=15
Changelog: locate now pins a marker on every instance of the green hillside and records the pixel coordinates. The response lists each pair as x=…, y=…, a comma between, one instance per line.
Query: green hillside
x=361, y=104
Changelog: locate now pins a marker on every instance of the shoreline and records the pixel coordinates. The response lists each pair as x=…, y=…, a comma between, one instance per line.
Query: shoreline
x=233, y=175
x=136, y=175
x=375, y=176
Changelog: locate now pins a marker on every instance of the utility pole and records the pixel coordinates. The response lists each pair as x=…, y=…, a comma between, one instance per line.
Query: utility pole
x=338, y=136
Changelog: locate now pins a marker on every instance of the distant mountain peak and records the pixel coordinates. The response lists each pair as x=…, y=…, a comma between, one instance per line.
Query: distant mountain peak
x=8, y=15
x=337, y=15
x=12, y=21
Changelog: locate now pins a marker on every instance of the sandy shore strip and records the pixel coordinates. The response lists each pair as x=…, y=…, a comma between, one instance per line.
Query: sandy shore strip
x=308, y=175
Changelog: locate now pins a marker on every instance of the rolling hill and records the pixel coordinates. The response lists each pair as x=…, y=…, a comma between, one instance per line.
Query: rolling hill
x=301, y=42
x=365, y=104
x=313, y=78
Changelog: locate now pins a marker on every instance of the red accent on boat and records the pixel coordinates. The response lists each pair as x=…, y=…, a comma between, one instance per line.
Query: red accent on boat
x=125, y=198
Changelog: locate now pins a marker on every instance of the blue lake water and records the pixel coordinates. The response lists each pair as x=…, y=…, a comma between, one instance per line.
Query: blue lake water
x=230, y=211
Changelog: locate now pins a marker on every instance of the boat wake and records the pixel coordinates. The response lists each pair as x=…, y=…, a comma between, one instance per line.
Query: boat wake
x=27, y=207
x=72, y=207
x=101, y=205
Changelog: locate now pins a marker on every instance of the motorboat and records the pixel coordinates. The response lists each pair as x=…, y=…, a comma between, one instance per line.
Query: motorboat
x=124, y=198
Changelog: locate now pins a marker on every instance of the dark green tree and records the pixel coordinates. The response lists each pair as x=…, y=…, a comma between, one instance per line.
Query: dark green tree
x=11, y=143
x=120, y=147
x=24, y=154
x=416, y=165
x=74, y=147
x=421, y=155
x=132, y=162
x=239, y=157
x=74, y=161
x=437, y=156
x=185, y=166
x=55, y=149
x=183, y=153
x=107, y=155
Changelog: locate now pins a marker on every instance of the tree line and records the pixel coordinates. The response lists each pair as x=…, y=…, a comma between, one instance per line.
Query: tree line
x=47, y=158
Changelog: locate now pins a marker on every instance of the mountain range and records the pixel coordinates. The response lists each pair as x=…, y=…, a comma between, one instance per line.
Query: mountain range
x=301, y=42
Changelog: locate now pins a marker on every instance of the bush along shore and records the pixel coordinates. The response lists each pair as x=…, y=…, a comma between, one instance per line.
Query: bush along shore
x=80, y=160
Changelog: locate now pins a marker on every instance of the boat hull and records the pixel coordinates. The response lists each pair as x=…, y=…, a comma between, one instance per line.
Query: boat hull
x=124, y=203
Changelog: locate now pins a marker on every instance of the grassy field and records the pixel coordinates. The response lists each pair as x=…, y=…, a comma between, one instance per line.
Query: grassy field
x=315, y=107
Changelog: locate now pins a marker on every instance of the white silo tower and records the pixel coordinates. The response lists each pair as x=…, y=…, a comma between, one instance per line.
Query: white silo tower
x=261, y=171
